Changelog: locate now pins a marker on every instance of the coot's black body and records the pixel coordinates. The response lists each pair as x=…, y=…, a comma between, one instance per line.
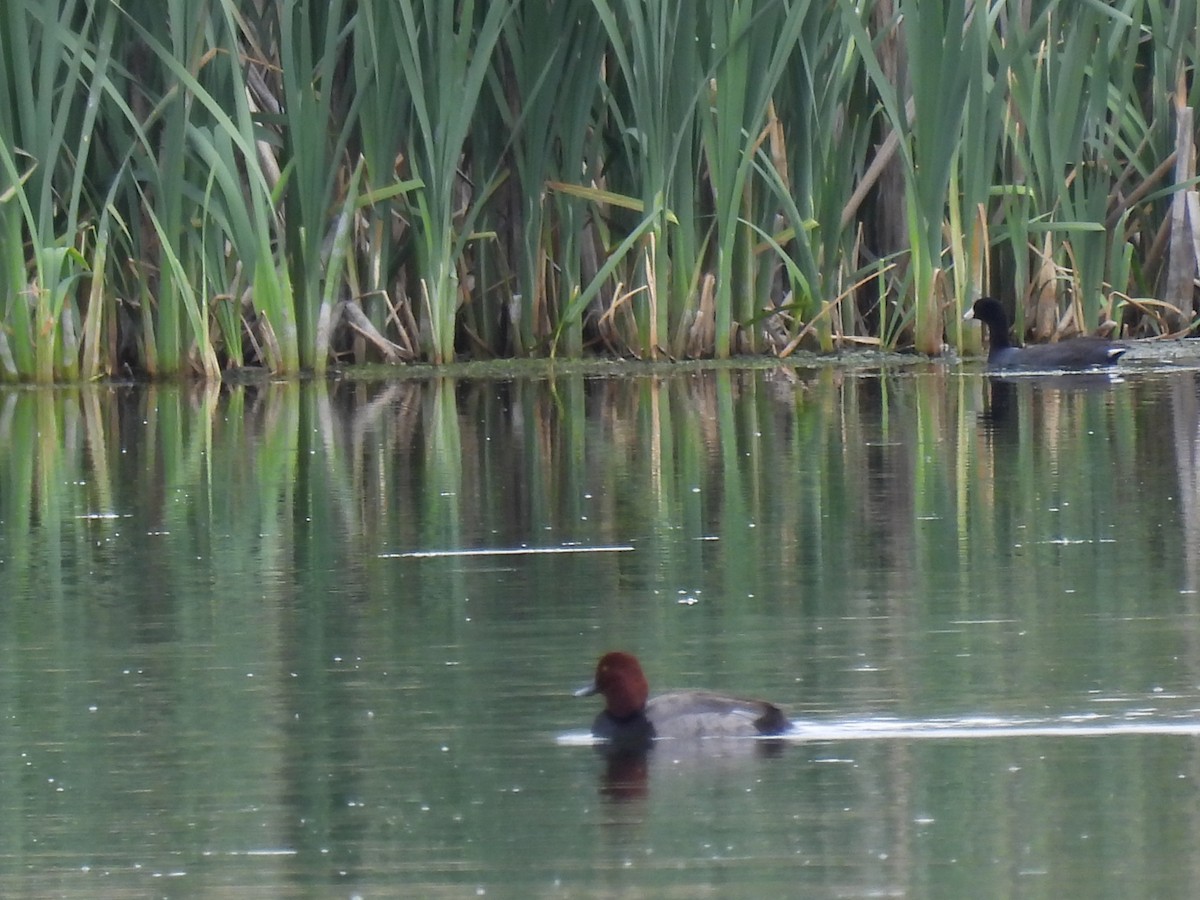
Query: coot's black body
x=1074, y=353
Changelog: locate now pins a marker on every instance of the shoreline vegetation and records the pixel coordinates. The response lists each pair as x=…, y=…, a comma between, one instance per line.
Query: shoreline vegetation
x=208, y=185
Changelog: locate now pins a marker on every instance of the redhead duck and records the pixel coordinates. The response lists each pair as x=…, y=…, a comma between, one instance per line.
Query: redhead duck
x=628, y=719
x=1074, y=353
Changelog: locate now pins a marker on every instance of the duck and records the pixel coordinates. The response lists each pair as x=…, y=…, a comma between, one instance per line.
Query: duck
x=1071, y=354
x=629, y=719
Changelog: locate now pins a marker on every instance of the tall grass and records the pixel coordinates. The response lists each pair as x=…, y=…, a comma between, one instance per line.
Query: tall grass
x=295, y=185
x=546, y=102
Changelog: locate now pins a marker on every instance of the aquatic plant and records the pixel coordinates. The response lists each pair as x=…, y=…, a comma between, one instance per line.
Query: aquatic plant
x=291, y=185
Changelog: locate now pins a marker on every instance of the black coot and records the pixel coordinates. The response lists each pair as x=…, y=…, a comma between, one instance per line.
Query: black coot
x=1074, y=353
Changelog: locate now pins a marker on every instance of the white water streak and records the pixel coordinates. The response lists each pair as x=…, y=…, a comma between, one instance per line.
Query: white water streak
x=503, y=551
x=971, y=727
x=988, y=727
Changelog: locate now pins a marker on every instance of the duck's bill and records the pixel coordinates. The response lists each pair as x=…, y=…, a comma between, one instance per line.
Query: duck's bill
x=586, y=691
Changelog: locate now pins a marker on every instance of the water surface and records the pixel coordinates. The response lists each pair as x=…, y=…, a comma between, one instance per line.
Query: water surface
x=319, y=640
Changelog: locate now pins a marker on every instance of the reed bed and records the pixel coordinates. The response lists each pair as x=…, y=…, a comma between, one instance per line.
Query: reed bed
x=193, y=186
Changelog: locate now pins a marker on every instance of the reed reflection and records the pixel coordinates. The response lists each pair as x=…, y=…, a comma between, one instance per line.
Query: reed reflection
x=1185, y=407
x=232, y=589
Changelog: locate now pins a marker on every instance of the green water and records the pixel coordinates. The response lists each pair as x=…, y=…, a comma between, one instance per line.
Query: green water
x=241, y=655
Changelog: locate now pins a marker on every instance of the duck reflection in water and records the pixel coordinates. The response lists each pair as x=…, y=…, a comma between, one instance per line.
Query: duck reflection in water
x=626, y=773
x=694, y=724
